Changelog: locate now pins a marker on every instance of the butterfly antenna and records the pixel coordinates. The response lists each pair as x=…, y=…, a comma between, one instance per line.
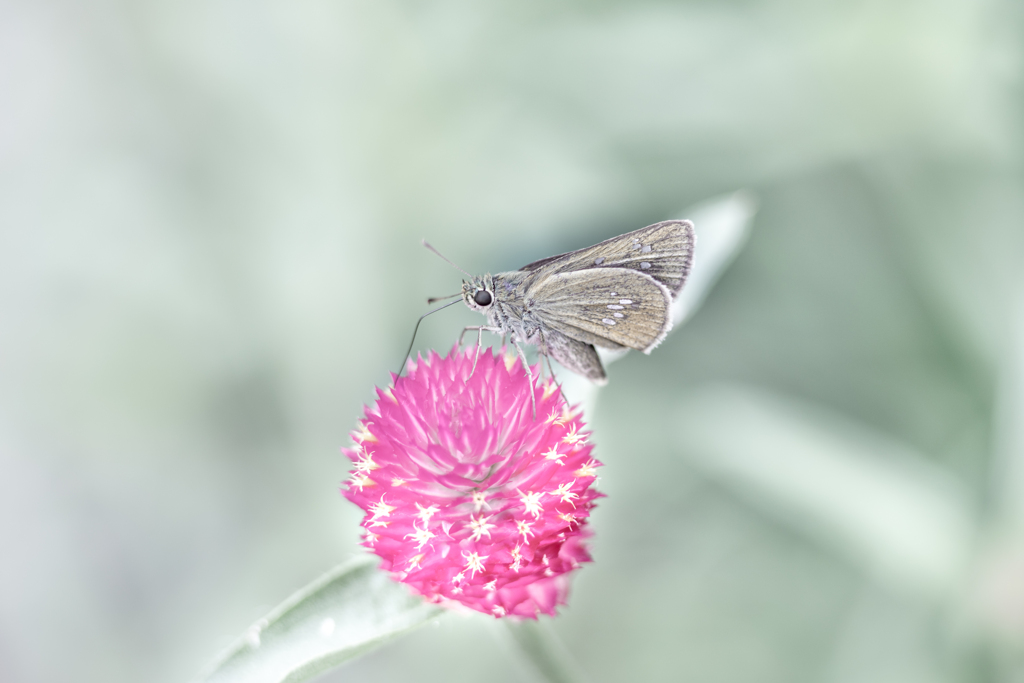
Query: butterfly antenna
x=431, y=248
x=415, y=330
x=441, y=298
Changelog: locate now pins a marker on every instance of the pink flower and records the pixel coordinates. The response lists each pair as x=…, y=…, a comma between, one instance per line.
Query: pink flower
x=468, y=496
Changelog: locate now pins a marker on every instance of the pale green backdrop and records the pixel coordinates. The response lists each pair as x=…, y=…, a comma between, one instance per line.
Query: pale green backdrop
x=210, y=215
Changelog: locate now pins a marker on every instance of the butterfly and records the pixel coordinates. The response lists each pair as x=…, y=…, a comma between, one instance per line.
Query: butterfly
x=616, y=294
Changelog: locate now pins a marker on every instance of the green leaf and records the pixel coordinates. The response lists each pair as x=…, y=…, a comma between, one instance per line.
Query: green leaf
x=872, y=499
x=348, y=611
x=722, y=227
x=1009, y=432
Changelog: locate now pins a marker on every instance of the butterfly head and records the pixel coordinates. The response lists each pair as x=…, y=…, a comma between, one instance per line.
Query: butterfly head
x=478, y=293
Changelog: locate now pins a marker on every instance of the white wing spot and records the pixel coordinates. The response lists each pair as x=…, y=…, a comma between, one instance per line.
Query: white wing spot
x=608, y=321
x=599, y=260
x=625, y=302
x=645, y=265
x=636, y=246
x=614, y=307
x=615, y=293
x=646, y=249
x=618, y=315
x=635, y=240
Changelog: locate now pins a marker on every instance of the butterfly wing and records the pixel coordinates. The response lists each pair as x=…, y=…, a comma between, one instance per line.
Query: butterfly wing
x=664, y=251
x=609, y=307
x=576, y=356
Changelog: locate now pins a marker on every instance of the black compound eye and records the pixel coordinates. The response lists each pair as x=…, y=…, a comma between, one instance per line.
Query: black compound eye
x=482, y=298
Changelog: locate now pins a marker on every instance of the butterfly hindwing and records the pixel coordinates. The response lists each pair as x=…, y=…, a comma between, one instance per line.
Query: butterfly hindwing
x=575, y=355
x=664, y=251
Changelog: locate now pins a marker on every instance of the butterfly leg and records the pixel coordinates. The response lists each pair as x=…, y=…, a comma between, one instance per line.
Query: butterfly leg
x=480, y=329
x=553, y=379
x=533, y=383
x=547, y=357
x=542, y=352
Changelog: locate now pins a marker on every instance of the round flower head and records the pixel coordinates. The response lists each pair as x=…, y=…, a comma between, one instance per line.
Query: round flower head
x=469, y=495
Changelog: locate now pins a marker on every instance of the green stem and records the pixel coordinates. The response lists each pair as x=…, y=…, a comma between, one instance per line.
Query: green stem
x=544, y=650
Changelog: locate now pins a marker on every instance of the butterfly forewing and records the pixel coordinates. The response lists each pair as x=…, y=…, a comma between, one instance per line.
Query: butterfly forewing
x=663, y=251
x=610, y=307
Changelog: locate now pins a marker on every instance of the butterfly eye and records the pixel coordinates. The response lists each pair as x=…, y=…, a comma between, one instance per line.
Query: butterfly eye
x=482, y=298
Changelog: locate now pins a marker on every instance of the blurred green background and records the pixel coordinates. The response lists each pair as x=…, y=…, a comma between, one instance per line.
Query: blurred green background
x=210, y=216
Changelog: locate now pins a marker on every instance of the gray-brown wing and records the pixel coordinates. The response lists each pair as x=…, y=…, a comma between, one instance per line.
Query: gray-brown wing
x=610, y=307
x=575, y=355
x=663, y=250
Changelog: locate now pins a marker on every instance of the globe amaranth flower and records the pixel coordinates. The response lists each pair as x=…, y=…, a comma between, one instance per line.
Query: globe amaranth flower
x=470, y=495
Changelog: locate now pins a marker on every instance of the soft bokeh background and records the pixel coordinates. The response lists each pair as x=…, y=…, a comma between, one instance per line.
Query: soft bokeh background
x=210, y=216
